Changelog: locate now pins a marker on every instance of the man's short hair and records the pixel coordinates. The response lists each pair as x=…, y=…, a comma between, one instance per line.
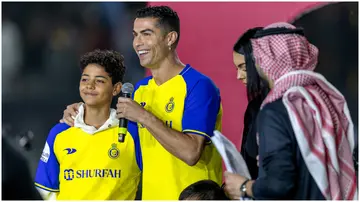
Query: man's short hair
x=203, y=190
x=167, y=18
x=112, y=62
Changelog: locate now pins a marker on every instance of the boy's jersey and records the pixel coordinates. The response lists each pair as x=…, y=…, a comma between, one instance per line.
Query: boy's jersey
x=189, y=103
x=81, y=166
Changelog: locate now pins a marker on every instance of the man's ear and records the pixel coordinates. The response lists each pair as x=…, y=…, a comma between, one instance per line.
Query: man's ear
x=117, y=88
x=171, y=39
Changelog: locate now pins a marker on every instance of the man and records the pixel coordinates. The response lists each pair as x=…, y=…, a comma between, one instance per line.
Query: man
x=88, y=161
x=176, y=110
x=304, y=126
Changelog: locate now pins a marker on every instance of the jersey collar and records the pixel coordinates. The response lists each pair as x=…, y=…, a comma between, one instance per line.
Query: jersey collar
x=79, y=122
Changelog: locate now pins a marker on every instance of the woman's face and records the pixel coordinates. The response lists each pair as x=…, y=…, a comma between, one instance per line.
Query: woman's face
x=239, y=61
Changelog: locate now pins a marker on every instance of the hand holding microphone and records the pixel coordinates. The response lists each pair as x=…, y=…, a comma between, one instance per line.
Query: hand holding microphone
x=129, y=109
x=126, y=91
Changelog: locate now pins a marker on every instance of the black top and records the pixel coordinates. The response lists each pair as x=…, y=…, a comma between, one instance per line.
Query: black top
x=249, y=146
x=17, y=183
x=282, y=173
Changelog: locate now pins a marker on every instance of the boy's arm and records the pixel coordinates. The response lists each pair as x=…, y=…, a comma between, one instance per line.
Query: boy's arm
x=47, y=174
x=47, y=195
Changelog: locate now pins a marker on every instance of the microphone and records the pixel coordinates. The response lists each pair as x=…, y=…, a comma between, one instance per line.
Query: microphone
x=126, y=90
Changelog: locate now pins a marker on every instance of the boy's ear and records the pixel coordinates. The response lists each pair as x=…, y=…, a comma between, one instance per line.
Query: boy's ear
x=117, y=88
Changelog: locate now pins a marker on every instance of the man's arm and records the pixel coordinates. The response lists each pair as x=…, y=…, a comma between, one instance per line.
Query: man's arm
x=200, y=112
x=70, y=113
x=276, y=159
x=186, y=147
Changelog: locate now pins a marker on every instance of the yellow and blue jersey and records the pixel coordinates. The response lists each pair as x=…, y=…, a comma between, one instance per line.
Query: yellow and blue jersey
x=81, y=166
x=189, y=102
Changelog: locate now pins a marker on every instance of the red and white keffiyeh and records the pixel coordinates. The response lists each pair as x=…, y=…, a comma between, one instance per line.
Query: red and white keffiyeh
x=318, y=111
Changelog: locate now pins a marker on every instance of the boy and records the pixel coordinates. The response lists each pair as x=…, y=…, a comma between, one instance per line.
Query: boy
x=88, y=161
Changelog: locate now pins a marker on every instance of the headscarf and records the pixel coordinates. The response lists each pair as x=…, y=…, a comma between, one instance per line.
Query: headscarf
x=318, y=111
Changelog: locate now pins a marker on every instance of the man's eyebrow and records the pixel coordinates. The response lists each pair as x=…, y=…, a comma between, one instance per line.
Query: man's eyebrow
x=146, y=30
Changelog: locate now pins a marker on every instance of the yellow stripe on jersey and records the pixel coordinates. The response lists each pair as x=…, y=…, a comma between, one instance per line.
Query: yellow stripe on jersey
x=208, y=138
x=46, y=188
x=196, y=132
x=189, y=102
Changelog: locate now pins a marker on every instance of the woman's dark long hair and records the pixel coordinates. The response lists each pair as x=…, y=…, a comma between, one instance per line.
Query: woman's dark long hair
x=256, y=86
x=256, y=89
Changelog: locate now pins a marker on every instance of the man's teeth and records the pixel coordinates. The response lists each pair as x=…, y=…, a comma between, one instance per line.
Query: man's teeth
x=143, y=52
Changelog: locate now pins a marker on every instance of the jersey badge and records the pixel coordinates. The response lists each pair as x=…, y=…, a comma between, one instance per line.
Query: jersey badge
x=170, y=105
x=113, y=151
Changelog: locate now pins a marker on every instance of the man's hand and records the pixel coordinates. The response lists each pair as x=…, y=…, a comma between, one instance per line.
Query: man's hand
x=186, y=147
x=129, y=109
x=70, y=113
x=232, y=185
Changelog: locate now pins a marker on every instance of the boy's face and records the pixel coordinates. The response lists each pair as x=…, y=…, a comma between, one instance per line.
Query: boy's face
x=96, y=88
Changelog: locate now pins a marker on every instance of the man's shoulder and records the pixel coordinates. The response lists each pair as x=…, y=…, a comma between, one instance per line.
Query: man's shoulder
x=274, y=113
x=196, y=79
x=275, y=106
x=143, y=82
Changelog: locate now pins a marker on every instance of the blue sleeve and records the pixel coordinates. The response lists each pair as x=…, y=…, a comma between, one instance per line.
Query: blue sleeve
x=133, y=130
x=202, y=105
x=47, y=173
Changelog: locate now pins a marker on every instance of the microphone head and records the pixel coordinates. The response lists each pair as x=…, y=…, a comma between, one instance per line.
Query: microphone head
x=127, y=88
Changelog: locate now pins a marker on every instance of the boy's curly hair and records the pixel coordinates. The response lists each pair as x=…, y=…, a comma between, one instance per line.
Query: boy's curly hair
x=112, y=61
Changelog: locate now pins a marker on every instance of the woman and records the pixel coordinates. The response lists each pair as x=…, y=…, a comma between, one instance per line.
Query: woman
x=257, y=90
